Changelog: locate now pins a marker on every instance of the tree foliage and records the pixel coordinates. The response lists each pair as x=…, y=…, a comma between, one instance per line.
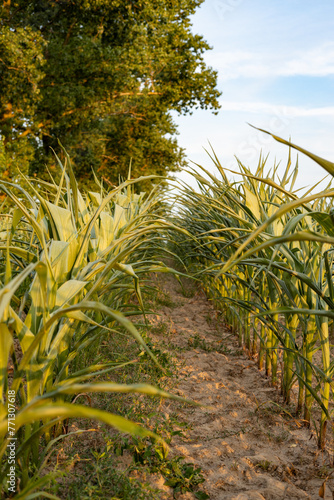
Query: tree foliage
x=101, y=76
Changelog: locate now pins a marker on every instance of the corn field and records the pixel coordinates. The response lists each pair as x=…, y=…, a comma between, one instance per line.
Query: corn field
x=72, y=265
x=265, y=257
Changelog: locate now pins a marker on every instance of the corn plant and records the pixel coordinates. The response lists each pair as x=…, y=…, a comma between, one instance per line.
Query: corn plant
x=70, y=264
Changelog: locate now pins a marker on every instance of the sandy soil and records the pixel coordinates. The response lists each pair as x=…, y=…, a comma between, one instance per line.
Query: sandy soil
x=246, y=443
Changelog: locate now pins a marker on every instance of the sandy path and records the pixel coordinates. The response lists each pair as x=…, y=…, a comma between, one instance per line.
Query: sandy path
x=245, y=444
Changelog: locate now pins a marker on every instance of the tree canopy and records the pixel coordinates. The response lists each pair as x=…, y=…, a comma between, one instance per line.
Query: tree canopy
x=101, y=76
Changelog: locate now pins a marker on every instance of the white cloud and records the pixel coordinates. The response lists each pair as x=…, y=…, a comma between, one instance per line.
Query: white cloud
x=278, y=110
x=318, y=61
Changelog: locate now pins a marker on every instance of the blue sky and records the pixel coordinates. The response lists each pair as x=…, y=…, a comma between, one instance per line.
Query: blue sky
x=275, y=63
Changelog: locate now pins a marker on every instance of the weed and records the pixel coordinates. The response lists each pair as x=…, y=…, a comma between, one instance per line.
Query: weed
x=105, y=481
x=209, y=319
x=280, y=438
x=179, y=475
x=197, y=341
x=147, y=451
x=171, y=346
x=163, y=357
x=263, y=465
x=160, y=328
x=238, y=352
x=183, y=477
x=188, y=293
x=164, y=299
x=269, y=435
x=234, y=466
x=98, y=465
x=226, y=434
x=324, y=471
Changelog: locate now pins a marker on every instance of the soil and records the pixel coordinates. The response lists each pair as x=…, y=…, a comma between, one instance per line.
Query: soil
x=248, y=444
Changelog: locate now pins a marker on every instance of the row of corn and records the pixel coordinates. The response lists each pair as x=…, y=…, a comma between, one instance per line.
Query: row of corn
x=70, y=262
x=265, y=256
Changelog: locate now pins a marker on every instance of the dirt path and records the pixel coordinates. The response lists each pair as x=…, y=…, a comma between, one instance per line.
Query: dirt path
x=246, y=445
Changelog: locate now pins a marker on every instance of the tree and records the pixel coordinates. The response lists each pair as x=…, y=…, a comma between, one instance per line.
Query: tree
x=102, y=76
x=21, y=60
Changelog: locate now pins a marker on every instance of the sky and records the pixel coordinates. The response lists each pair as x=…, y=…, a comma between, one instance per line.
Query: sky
x=275, y=63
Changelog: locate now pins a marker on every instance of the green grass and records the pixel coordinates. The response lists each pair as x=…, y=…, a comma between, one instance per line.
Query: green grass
x=164, y=299
x=160, y=328
x=197, y=341
x=105, y=481
x=101, y=465
x=189, y=293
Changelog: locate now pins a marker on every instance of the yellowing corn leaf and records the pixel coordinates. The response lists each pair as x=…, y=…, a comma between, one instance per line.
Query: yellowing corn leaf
x=59, y=258
x=6, y=342
x=252, y=202
x=277, y=223
x=126, y=268
x=63, y=221
x=9, y=290
x=123, y=200
x=106, y=231
x=95, y=198
x=83, y=209
x=25, y=336
x=20, y=252
x=66, y=410
x=119, y=218
x=39, y=297
x=68, y=291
